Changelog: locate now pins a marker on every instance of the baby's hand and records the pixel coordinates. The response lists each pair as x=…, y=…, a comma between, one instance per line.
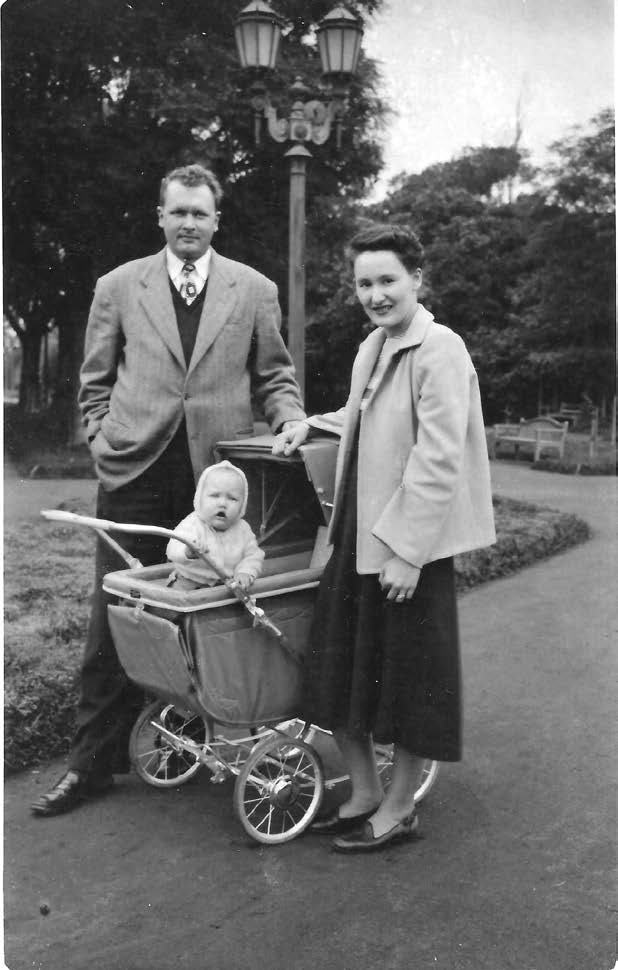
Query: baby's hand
x=193, y=553
x=243, y=581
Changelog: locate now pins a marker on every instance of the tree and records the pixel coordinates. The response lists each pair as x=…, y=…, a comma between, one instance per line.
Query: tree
x=100, y=97
x=566, y=298
x=529, y=283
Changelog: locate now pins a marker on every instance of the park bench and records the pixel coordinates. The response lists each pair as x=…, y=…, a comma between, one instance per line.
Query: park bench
x=543, y=434
x=573, y=414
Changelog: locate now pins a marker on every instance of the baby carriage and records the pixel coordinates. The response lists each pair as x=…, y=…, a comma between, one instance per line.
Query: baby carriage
x=223, y=668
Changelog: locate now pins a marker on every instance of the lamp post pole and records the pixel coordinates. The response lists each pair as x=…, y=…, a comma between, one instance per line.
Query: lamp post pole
x=298, y=156
x=258, y=33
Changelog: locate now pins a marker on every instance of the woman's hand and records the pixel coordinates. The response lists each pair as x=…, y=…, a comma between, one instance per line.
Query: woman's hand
x=294, y=433
x=399, y=578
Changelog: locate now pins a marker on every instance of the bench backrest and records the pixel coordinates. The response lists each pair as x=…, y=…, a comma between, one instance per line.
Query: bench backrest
x=554, y=429
x=503, y=429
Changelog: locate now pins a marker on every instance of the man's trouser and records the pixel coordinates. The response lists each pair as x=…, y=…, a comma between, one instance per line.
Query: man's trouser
x=109, y=703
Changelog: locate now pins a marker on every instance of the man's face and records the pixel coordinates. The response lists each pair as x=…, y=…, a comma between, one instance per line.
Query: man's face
x=189, y=219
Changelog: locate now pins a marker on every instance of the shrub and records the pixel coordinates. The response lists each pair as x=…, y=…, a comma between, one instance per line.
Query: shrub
x=525, y=534
x=573, y=467
x=39, y=712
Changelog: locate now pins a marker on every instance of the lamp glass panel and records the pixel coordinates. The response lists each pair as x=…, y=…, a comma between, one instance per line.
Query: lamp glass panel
x=267, y=43
x=323, y=49
x=239, y=34
x=335, y=49
x=350, y=50
x=250, y=44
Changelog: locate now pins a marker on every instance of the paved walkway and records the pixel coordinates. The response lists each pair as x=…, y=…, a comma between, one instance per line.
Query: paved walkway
x=515, y=871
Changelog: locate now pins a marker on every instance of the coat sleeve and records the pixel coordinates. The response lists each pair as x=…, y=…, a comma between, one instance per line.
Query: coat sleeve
x=176, y=551
x=273, y=380
x=253, y=557
x=413, y=518
x=332, y=421
x=103, y=346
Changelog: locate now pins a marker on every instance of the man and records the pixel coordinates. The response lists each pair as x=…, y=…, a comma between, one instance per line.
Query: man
x=176, y=346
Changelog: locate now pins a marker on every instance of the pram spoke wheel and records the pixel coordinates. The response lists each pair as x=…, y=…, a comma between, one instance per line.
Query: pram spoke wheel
x=279, y=789
x=157, y=759
x=428, y=777
x=429, y=772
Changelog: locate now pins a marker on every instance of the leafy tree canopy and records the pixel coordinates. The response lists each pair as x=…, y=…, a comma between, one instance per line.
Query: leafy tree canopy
x=528, y=282
x=101, y=97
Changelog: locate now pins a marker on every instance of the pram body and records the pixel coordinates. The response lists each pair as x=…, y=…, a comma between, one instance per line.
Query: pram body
x=208, y=666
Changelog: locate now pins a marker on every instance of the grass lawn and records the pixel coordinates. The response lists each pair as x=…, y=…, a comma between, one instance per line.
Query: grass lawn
x=48, y=576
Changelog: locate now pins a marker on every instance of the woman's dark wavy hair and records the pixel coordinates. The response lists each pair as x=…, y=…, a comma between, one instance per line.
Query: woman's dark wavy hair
x=383, y=236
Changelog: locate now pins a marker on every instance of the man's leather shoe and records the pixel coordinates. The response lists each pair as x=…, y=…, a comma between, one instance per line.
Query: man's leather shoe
x=334, y=825
x=73, y=788
x=364, y=840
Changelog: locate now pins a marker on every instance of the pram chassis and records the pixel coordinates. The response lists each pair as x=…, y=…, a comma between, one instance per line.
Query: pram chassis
x=160, y=636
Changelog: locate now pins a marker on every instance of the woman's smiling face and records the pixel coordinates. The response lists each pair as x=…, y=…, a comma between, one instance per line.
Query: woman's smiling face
x=386, y=289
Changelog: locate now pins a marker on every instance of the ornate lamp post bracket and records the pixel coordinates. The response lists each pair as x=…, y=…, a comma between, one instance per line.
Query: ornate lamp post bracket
x=258, y=34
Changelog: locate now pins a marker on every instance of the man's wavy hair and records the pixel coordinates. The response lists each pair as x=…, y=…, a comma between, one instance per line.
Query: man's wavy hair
x=192, y=176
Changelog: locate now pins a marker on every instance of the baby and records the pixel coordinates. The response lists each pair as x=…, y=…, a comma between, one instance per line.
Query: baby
x=217, y=527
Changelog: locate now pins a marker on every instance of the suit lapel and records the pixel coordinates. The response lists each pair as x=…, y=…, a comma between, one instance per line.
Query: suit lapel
x=156, y=301
x=220, y=298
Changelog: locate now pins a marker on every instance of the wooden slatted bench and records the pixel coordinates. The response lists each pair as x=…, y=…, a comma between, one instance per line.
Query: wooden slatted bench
x=543, y=434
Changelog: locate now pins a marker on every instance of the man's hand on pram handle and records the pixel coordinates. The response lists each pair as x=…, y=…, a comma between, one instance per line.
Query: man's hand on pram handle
x=288, y=440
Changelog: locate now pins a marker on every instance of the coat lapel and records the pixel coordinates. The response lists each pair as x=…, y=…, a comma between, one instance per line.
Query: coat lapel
x=413, y=338
x=156, y=300
x=220, y=298
x=368, y=353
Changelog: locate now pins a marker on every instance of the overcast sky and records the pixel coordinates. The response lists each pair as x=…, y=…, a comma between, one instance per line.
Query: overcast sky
x=455, y=69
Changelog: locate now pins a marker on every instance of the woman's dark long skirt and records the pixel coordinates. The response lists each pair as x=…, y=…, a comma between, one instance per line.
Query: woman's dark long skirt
x=385, y=668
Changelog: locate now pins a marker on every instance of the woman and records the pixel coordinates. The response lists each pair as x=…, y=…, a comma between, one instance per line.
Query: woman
x=412, y=491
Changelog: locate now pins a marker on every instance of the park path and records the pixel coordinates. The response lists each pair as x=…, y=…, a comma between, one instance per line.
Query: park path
x=515, y=872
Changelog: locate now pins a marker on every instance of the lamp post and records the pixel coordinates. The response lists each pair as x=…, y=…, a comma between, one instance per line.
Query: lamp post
x=258, y=33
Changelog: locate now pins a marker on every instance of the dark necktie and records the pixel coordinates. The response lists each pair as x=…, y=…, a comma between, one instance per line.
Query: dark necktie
x=188, y=289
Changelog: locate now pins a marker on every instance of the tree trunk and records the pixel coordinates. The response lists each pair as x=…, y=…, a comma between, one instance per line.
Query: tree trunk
x=70, y=355
x=30, y=383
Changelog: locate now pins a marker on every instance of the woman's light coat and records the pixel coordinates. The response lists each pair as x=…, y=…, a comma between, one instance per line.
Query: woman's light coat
x=424, y=489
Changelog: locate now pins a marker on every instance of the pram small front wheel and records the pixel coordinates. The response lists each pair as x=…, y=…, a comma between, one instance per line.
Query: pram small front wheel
x=279, y=789
x=164, y=745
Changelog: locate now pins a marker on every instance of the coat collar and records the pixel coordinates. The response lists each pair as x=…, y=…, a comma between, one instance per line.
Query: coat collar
x=369, y=350
x=157, y=302
x=414, y=335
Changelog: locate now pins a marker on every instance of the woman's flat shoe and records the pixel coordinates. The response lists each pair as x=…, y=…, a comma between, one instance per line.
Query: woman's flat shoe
x=333, y=825
x=363, y=839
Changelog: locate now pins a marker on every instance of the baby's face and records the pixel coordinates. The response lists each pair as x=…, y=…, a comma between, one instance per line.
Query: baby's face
x=221, y=500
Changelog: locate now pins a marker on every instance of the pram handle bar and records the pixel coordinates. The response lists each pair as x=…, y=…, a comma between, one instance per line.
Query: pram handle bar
x=102, y=526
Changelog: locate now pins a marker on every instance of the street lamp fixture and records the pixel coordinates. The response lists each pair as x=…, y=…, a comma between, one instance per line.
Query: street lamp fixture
x=258, y=30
